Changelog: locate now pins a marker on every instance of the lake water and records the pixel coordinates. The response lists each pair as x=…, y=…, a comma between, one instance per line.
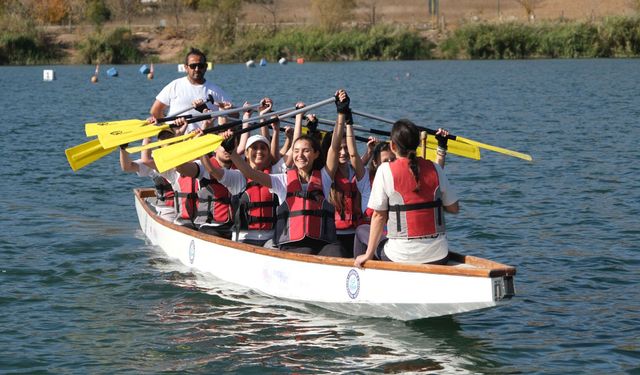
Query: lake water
x=82, y=292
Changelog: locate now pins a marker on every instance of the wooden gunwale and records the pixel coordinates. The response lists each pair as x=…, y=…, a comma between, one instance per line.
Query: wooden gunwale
x=470, y=265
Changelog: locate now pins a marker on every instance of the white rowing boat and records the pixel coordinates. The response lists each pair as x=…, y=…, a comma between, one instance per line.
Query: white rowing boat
x=382, y=289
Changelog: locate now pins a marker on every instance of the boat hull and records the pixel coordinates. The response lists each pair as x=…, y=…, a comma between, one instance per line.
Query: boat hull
x=382, y=289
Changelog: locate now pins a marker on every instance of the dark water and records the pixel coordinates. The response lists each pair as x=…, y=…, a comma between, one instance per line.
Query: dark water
x=81, y=291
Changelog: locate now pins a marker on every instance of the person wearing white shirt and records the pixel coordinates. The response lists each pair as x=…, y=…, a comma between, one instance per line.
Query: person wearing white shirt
x=409, y=195
x=191, y=90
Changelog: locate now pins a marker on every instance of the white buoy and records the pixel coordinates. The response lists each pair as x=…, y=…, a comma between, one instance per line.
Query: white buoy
x=181, y=68
x=250, y=64
x=282, y=61
x=48, y=75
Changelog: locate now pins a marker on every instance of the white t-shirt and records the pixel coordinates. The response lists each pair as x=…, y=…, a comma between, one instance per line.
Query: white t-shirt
x=236, y=183
x=167, y=212
x=421, y=250
x=180, y=94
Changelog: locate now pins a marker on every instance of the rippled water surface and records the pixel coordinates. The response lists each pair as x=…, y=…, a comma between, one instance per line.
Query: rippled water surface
x=81, y=291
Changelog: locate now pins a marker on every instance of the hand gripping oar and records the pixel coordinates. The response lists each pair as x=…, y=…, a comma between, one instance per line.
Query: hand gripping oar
x=124, y=136
x=218, y=129
x=172, y=156
x=94, y=128
x=454, y=137
x=455, y=147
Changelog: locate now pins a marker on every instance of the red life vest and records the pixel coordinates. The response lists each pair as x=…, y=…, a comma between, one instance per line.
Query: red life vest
x=257, y=207
x=164, y=191
x=414, y=214
x=186, y=200
x=305, y=213
x=351, y=209
x=214, y=200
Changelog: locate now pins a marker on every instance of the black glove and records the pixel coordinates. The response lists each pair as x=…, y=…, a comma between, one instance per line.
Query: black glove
x=229, y=144
x=442, y=141
x=343, y=107
x=124, y=146
x=201, y=107
x=312, y=125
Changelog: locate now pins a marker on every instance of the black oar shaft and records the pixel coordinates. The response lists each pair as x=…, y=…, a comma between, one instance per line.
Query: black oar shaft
x=388, y=121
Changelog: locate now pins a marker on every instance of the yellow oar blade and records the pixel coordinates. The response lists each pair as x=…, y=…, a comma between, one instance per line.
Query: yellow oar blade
x=496, y=149
x=175, y=155
x=453, y=147
x=86, y=153
x=124, y=136
x=163, y=142
x=95, y=128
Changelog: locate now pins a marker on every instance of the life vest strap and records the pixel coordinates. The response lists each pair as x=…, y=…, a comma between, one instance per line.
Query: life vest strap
x=398, y=208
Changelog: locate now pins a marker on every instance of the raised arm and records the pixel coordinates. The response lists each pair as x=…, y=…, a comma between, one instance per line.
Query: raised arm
x=441, y=152
x=214, y=172
x=371, y=144
x=356, y=162
x=126, y=164
x=342, y=107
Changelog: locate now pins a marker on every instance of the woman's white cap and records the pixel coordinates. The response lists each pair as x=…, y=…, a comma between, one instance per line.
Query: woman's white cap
x=256, y=138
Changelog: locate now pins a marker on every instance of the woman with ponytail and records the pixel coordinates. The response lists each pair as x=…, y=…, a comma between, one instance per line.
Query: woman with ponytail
x=409, y=196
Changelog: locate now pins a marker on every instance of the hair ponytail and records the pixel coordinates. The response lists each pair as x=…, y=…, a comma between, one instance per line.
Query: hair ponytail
x=415, y=169
x=406, y=137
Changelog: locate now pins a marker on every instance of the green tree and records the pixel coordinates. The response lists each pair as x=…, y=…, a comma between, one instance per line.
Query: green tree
x=98, y=12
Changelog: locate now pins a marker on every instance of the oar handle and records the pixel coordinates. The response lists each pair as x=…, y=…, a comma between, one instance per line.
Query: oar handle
x=359, y=127
x=422, y=128
x=211, y=115
x=358, y=138
x=176, y=113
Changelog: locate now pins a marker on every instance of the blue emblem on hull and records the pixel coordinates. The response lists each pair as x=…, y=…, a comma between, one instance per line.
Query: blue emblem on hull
x=353, y=283
x=192, y=251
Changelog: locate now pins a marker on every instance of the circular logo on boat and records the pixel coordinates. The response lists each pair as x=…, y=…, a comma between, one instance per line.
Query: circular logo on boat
x=353, y=284
x=192, y=251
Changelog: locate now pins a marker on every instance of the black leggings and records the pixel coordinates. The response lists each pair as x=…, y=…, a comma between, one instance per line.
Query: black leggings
x=314, y=247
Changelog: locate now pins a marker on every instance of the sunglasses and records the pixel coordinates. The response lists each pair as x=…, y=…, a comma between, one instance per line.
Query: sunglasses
x=197, y=65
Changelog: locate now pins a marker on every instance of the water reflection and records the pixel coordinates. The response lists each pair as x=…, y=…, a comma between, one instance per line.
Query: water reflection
x=223, y=327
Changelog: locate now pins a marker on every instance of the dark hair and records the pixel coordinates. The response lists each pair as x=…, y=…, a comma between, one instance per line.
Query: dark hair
x=406, y=138
x=375, y=163
x=315, y=145
x=197, y=52
x=165, y=134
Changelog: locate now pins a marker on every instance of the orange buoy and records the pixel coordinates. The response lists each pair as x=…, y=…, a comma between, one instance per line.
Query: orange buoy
x=300, y=60
x=94, y=79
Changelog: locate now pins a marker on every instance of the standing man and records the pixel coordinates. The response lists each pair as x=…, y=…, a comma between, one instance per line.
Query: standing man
x=191, y=90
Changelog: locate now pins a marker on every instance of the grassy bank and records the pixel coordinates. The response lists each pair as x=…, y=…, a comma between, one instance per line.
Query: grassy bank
x=611, y=37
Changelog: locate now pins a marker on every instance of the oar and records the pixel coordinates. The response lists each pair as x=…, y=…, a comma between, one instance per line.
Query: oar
x=124, y=136
x=86, y=153
x=94, y=128
x=197, y=147
x=454, y=137
x=324, y=132
x=455, y=147
x=172, y=156
x=218, y=129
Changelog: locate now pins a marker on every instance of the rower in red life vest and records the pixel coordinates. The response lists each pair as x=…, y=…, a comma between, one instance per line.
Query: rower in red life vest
x=202, y=202
x=164, y=183
x=255, y=216
x=305, y=216
x=409, y=195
